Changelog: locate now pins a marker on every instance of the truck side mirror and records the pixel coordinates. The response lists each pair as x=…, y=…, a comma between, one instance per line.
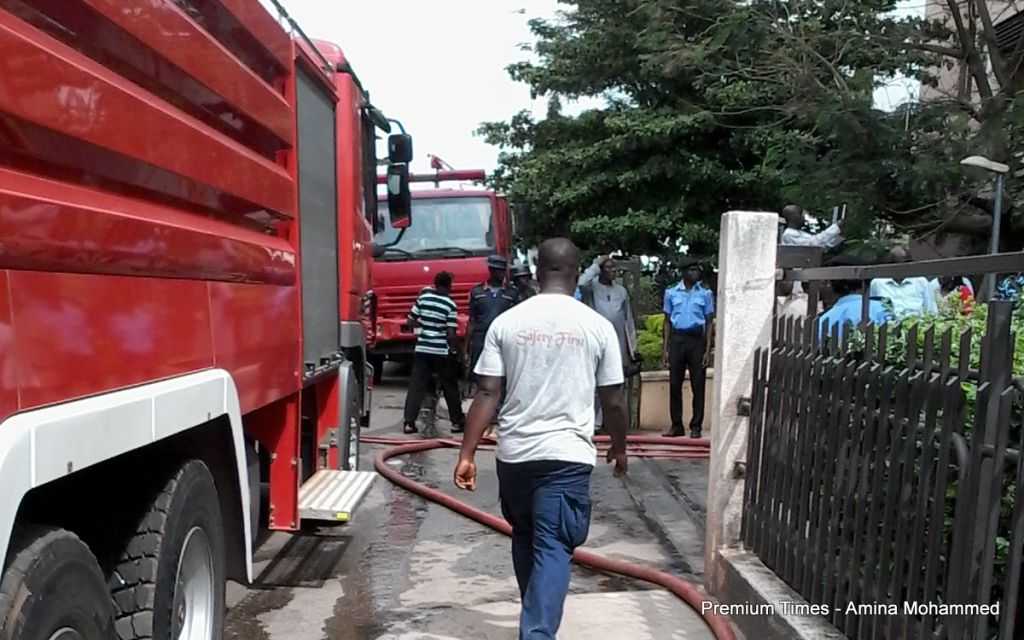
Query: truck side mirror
x=399, y=196
x=400, y=148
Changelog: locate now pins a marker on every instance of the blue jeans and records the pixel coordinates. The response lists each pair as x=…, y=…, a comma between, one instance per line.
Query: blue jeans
x=548, y=505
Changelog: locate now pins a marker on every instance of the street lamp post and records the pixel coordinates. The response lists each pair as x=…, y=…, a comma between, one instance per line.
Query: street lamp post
x=1000, y=170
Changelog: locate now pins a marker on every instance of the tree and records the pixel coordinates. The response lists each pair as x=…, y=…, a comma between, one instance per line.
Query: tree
x=817, y=63
x=654, y=168
x=718, y=105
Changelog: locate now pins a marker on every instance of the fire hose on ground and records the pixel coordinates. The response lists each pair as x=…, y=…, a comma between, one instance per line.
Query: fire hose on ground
x=639, y=446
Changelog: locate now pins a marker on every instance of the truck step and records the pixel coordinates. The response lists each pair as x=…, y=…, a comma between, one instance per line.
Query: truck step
x=332, y=495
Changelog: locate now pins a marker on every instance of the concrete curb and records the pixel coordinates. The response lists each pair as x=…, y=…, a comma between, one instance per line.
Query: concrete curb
x=776, y=612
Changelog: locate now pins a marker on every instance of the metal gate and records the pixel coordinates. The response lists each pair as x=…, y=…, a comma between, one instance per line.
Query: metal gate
x=882, y=475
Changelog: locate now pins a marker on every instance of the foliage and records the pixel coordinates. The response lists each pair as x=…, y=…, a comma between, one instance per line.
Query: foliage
x=649, y=341
x=650, y=295
x=652, y=170
x=956, y=321
x=718, y=105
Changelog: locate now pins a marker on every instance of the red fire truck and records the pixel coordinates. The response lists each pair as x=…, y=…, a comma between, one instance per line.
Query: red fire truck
x=187, y=196
x=454, y=230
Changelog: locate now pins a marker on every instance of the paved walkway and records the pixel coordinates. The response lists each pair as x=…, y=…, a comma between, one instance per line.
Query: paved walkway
x=406, y=569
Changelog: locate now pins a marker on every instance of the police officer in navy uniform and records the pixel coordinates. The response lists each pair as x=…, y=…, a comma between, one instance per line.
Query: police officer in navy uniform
x=487, y=301
x=689, y=308
x=523, y=281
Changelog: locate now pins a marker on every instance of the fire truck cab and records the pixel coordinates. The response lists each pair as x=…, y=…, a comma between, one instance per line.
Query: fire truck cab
x=452, y=230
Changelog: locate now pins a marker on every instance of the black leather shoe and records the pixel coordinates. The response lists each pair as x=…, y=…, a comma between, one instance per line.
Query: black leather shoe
x=695, y=433
x=674, y=433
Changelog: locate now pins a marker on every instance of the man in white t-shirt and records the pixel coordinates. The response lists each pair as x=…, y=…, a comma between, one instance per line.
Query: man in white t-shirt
x=551, y=351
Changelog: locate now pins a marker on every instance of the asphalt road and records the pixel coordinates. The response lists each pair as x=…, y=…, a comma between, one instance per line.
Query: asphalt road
x=405, y=568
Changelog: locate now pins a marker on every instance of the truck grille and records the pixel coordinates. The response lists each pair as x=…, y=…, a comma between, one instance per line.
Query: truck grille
x=398, y=303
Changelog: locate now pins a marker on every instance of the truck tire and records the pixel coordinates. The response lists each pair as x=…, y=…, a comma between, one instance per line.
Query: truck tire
x=53, y=589
x=169, y=580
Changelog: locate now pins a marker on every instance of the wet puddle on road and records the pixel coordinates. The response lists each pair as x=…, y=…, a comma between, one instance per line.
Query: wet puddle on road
x=345, y=581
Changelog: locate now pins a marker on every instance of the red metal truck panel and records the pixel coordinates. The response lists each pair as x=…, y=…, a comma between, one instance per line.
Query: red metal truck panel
x=171, y=33
x=47, y=225
x=276, y=426
x=256, y=337
x=79, y=97
x=76, y=335
x=254, y=18
x=8, y=368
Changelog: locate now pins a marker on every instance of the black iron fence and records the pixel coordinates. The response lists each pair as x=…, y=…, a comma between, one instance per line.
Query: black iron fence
x=882, y=471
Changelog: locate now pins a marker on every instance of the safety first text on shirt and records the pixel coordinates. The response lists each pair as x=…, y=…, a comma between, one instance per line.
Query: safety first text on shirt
x=531, y=337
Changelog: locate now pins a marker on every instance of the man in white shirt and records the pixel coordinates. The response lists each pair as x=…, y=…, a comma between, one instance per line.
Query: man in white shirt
x=551, y=351
x=905, y=296
x=794, y=233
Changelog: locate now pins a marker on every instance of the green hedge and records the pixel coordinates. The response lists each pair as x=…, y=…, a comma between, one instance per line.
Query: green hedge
x=649, y=341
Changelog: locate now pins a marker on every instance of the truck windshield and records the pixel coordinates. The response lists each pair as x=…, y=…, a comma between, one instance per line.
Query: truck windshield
x=441, y=227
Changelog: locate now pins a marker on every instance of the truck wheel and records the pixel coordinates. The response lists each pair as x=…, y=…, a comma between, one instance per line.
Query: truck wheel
x=169, y=581
x=53, y=590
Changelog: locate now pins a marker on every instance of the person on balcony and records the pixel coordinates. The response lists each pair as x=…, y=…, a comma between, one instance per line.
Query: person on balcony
x=794, y=233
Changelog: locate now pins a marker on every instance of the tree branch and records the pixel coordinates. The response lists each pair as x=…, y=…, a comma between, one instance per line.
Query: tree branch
x=951, y=52
x=989, y=33
x=970, y=51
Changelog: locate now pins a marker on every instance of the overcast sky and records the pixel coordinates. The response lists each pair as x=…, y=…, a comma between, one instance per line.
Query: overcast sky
x=439, y=67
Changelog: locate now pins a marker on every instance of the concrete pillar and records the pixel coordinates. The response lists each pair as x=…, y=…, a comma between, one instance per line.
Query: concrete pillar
x=745, y=301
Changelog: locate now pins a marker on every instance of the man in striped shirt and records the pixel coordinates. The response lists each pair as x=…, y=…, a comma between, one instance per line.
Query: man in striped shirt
x=434, y=315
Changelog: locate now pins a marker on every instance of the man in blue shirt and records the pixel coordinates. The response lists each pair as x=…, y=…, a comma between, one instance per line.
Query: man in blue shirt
x=688, y=308
x=849, y=308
